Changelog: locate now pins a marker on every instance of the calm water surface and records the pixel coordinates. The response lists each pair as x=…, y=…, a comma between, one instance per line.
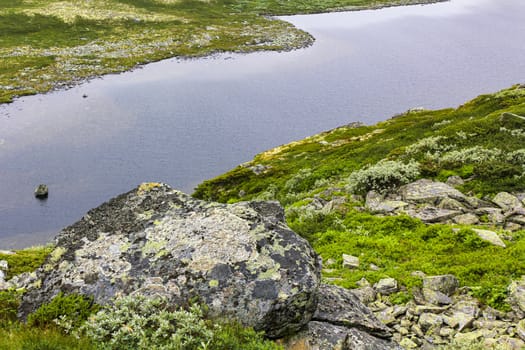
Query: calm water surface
x=181, y=122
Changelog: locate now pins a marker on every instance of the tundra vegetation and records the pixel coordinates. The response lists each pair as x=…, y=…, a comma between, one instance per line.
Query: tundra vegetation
x=50, y=44
x=481, y=141
x=46, y=44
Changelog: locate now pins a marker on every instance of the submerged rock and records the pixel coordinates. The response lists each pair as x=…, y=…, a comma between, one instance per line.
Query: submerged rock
x=241, y=259
x=41, y=191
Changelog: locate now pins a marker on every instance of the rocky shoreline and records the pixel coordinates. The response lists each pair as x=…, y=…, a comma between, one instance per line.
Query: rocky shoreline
x=244, y=262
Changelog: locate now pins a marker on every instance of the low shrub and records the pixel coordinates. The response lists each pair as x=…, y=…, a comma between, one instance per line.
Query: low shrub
x=141, y=323
x=66, y=311
x=383, y=176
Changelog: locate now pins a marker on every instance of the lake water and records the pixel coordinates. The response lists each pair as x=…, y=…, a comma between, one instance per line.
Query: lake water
x=181, y=122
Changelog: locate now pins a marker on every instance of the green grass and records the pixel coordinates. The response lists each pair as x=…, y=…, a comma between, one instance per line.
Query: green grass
x=25, y=260
x=47, y=44
x=474, y=141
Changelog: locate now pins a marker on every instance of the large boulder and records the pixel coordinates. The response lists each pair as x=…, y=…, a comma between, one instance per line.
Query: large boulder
x=240, y=259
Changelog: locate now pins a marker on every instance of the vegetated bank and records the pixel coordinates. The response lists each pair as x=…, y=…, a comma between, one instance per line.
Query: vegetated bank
x=362, y=195
x=51, y=44
x=354, y=193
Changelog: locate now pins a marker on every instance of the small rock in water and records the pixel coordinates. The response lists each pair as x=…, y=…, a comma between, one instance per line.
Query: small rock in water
x=41, y=191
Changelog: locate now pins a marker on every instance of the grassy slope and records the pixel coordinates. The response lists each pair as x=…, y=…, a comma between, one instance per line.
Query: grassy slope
x=480, y=141
x=45, y=44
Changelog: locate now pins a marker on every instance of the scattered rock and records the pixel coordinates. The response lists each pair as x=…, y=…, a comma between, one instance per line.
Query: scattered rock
x=466, y=219
x=350, y=261
x=489, y=236
x=517, y=293
x=446, y=284
x=386, y=286
x=507, y=201
x=455, y=180
x=377, y=204
x=432, y=214
x=41, y=191
x=4, y=266
x=520, y=329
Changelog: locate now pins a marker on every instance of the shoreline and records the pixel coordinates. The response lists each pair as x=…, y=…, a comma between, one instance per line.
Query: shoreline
x=280, y=36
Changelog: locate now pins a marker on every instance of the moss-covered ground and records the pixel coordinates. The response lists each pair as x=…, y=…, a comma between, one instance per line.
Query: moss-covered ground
x=47, y=44
x=482, y=141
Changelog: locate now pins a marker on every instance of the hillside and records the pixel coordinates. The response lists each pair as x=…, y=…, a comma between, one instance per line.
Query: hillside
x=324, y=182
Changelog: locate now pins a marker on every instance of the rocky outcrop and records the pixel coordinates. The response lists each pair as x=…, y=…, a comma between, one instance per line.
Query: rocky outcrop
x=438, y=202
x=240, y=259
x=442, y=313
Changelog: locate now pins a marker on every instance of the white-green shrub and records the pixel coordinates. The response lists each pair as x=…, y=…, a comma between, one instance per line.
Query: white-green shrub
x=432, y=144
x=475, y=154
x=141, y=323
x=383, y=176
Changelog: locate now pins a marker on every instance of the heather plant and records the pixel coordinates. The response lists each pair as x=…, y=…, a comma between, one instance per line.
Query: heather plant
x=66, y=311
x=383, y=176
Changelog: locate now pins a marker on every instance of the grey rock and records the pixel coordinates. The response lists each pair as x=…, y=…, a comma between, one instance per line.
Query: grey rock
x=454, y=181
x=41, y=191
x=459, y=320
x=512, y=226
x=389, y=315
x=520, y=329
x=517, y=293
x=429, y=320
x=518, y=219
x=4, y=266
x=359, y=340
x=421, y=309
x=446, y=284
x=466, y=219
x=450, y=204
x=468, y=307
x=494, y=215
x=428, y=191
x=507, y=201
x=377, y=204
x=259, y=169
x=340, y=306
x=386, y=286
x=318, y=336
x=2, y=278
x=407, y=343
x=436, y=297
x=241, y=259
x=432, y=214
x=489, y=236
x=469, y=338
x=350, y=261
x=365, y=294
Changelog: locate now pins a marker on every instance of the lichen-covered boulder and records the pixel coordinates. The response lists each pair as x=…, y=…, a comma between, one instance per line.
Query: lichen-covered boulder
x=240, y=259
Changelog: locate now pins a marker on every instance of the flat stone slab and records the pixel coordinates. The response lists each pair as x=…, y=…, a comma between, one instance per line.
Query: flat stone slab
x=489, y=236
x=428, y=191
